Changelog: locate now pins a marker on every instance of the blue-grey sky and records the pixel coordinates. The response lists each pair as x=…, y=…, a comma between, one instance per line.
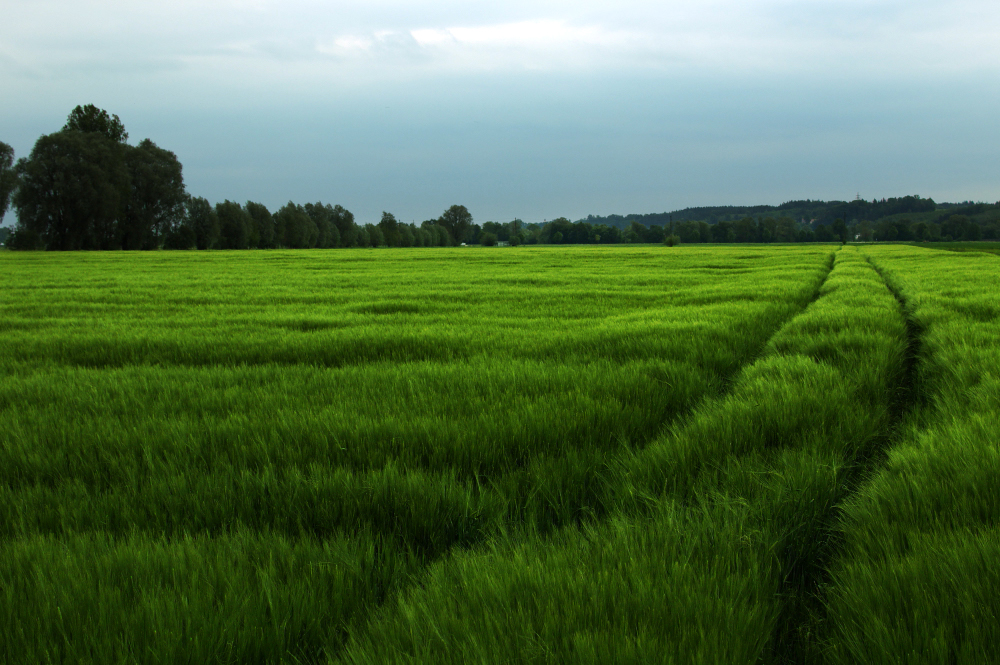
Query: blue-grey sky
x=530, y=109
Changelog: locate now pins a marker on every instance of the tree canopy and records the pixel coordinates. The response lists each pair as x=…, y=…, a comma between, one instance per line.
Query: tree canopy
x=72, y=191
x=263, y=224
x=204, y=222
x=456, y=220
x=89, y=118
x=234, y=225
x=156, y=202
x=84, y=187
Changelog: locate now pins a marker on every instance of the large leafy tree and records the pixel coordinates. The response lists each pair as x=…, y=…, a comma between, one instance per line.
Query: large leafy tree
x=456, y=220
x=840, y=230
x=72, y=190
x=390, y=229
x=501, y=231
x=344, y=221
x=181, y=236
x=8, y=179
x=375, y=236
x=294, y=227
x=203, y=220
x=323, y=216
x=156, y=204
x=84, y=187
x=234, y=225
x=558, y=231
x=745, y=229
x=406, y=237
x=262, y=226
x=824, y=234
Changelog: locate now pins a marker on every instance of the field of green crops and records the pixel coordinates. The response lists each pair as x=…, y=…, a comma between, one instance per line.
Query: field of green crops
x=597, y=454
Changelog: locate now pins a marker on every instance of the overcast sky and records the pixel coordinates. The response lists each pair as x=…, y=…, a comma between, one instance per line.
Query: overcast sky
x=526, y=109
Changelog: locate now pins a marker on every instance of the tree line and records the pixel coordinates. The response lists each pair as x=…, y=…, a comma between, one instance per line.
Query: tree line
x=815, y=212
x=85, y=187
x=230, y=225
x=972, y=222
x=909, y=218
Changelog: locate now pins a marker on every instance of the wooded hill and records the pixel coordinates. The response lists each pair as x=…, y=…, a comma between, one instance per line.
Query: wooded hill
x=811, y=213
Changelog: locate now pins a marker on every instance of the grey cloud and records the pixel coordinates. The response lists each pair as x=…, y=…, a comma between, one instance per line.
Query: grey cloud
x=641, y=106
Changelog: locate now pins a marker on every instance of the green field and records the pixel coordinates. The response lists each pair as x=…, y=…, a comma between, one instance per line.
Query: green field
x=741, y=454
x=990, y=247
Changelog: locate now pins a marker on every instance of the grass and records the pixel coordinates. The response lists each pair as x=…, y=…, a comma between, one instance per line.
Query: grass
x=569, y=454
x=980, y=246
x=915, y=582
x=720, y=525
x=411, y=403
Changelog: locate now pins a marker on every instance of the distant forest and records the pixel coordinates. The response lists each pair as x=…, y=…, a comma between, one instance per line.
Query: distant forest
x=908, y=218
x=818, y=212
x=86, y=187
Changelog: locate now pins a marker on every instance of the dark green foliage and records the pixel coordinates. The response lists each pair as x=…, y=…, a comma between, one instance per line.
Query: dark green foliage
x=234, y=225
x=8, y=178
x=85, y=188
x=557, y=231
x=456, y=220
x=839, y=230
x=745, y=229
x=437, y=235
x=723, y=232
x=824, y=234
x=488, y=240
x=73, y=190
x=443, y=238
x=501, y=231
x=151, y=212
x=785, y=230
x=688, y=232
x=24, y=239
x=375, y=236
x=406, y=237
x=422, y=237
x=89, y=118
x=889, y=220
x=156, y=203
x=362, y=238
x=294, y=228
x=885, y=231
x=959, y=227
x=182, y=236
x=390, y=229
x=346, y=228
x=262, y=226
x=324, y=217
x=203, y=220
x=824, y=212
